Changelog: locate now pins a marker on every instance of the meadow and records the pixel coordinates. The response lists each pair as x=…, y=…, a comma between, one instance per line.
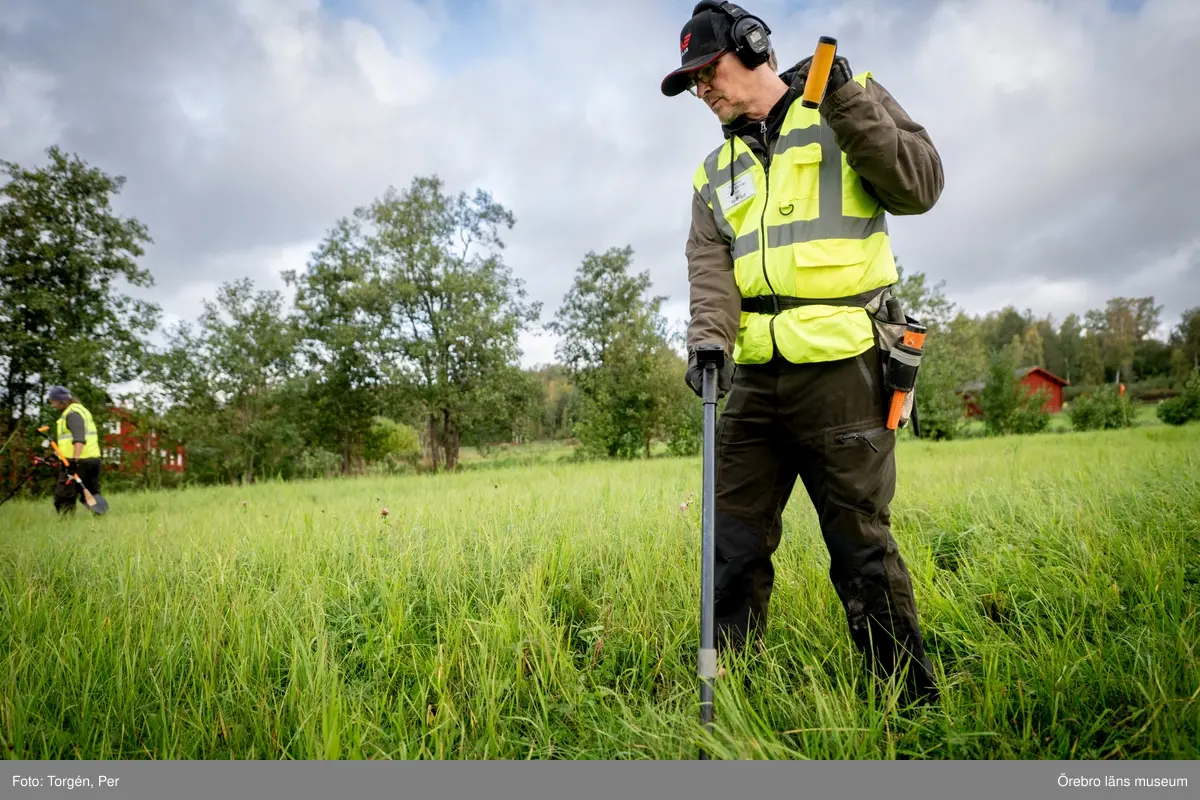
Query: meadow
x=551, y=611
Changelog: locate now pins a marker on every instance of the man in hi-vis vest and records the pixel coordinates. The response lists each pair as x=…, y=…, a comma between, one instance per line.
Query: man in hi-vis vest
x=78, y=440
x=788, y=262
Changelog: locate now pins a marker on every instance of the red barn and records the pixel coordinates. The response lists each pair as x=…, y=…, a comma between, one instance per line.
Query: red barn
x=127, y=448
x=1035, y=378
x=1032, y=378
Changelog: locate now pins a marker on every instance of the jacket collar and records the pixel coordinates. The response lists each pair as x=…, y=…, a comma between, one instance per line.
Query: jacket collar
x=794, y=78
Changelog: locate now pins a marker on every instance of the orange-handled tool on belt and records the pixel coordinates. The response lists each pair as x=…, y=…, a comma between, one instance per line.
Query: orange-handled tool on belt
x=818, y=72
x=903, y=363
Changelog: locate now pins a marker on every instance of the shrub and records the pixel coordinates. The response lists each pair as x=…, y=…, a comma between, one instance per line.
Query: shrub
x=1185, y=407
x=938, y=407
x=1177, y=410
x=1007, y=406
x=1030, y=416
x=391, y=441
x=685, y=430
x=1102, y=409
x=1076, y=390
x=318, y=463
x=1151, y=390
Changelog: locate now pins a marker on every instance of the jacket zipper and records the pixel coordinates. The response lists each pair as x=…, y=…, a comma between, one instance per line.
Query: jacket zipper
x=762, y=225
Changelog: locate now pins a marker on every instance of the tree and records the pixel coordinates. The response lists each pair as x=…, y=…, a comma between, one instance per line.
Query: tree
x=559, y=400
x=1186, y=337
x=514, y=415
x=63, y=252
x=954, y=354
x=1052, y=357
x=614, y=340
x=1033, y=350
x=1152, y=359
x=1007, y=406
x=999, y=327
x=682, y=417
x=1071, y=344
x=1016, y=351
x=447, y=309
x=1001, y=396
x=1121, y=326
x=926, y=303
x=339, y=344
x=228, y=378
x=1091, y=362
x=1181, y=370
x=407, y=306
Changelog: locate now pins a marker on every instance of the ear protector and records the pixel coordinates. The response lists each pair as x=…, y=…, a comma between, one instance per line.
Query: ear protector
x=749, y=32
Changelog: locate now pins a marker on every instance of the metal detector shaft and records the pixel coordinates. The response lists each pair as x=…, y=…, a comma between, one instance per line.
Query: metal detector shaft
x=707, y=667
x=37, y=463
x=16, y=489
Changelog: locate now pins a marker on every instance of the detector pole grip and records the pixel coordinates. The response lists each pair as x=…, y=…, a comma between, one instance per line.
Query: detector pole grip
x=818, y=72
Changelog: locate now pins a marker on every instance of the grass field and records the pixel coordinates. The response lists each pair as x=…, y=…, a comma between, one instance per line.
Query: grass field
x=552, y=612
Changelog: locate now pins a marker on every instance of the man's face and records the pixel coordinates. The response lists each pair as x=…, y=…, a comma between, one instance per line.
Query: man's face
x=724, y=86
x=59, y=405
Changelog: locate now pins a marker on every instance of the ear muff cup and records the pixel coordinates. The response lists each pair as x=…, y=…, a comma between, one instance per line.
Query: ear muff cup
x=751, y=36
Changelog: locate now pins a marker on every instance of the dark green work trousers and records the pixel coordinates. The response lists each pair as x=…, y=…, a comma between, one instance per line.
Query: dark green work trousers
x=67, y=494
x=823, y=423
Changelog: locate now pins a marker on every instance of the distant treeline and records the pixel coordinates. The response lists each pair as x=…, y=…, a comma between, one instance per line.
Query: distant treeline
x=401, y=344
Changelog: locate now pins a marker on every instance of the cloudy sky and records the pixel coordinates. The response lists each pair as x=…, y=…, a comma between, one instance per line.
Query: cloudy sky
x=1069, y=130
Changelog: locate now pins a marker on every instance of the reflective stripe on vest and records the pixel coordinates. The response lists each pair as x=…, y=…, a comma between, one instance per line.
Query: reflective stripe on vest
x=66, y=441
x=825, y=237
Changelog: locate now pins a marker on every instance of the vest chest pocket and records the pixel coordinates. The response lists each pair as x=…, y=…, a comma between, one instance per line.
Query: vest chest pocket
x=799, y=188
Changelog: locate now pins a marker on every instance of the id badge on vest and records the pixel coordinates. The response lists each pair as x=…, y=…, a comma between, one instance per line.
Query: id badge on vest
x=737, y=192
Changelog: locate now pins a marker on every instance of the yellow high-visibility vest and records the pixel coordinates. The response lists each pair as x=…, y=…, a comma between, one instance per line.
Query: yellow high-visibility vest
x=810, y=233
x=66, y=441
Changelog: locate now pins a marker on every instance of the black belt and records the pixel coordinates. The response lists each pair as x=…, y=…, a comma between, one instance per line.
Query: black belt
x=775, y=303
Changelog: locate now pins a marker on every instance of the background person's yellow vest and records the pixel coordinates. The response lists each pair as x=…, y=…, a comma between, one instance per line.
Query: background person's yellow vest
x=66, y=442
x=825, y=238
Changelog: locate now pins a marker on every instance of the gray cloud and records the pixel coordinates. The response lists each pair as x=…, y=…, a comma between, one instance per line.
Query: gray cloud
x=1071, y=145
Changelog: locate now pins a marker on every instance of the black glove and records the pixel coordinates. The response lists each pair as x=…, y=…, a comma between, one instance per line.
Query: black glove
x=695, y=376
x=839, y=75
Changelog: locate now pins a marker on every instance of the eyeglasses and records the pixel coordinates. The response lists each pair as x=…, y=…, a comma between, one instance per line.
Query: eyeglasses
x=705, y=74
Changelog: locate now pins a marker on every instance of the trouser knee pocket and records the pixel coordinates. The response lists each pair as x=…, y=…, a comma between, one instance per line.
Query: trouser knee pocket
x=860, y=469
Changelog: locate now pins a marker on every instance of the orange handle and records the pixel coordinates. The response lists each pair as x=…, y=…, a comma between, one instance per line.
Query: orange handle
x=897, y=406
x=59, y=453
x=916, y=340
x=818, y=73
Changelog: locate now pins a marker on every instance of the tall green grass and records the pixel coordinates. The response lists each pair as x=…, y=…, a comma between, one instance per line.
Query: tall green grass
x=552, y=612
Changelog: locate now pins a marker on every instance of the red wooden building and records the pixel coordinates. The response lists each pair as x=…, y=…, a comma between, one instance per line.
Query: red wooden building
x=128, y=449
x=1032, y=378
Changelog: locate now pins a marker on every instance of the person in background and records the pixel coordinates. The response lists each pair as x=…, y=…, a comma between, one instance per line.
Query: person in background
x=79, y=442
